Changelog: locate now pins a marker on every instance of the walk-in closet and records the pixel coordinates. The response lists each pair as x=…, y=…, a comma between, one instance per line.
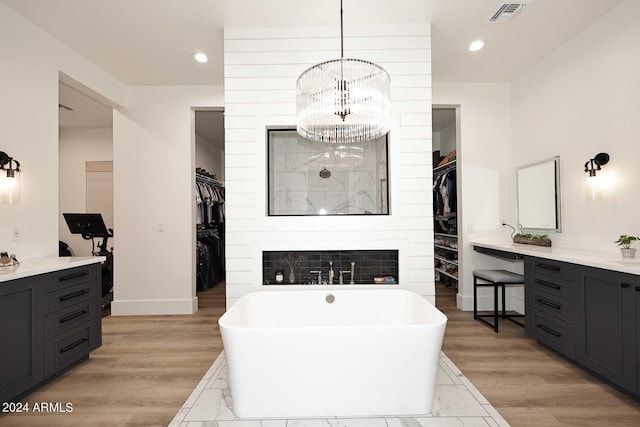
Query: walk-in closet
x=445, y=196
x=209, y=195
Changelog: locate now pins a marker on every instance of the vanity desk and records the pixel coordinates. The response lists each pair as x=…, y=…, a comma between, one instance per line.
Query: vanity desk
x=584, y=305
x=50, y=319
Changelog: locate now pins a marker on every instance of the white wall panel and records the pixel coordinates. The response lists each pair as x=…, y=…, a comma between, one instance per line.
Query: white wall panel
x=261, y=69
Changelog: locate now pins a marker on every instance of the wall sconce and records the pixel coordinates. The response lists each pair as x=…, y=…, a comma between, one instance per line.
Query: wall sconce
x=9, y=180
x=593, y=187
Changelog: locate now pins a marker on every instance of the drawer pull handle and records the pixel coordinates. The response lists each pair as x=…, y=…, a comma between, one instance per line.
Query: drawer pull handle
x=549, y=331
x=73, y=345
x=72, y=276
x=624, y=285
x=548, y=284
x=547, y=266
x=637, y=288
x=73, y=295
x=72, y=316
x=548, y=303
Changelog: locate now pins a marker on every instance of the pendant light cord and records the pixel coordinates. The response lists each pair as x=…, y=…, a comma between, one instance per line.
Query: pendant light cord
x=341, y=33
x=342, y=85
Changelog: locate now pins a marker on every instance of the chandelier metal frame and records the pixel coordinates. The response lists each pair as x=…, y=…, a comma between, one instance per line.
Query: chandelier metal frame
x=343, y=100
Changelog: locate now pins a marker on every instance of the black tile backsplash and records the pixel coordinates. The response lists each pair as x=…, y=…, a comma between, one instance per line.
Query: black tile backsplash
x=369, y=264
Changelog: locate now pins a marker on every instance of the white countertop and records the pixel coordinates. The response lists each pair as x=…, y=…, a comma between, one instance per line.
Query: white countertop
x=605, y=260
x=31, y=267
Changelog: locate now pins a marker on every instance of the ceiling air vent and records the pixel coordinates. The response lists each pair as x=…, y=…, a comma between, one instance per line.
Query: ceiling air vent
x=506, y=12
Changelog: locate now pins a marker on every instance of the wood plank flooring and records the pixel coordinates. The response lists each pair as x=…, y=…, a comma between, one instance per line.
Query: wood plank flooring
x=528, y=384
x=144, y=371
x=148, y=366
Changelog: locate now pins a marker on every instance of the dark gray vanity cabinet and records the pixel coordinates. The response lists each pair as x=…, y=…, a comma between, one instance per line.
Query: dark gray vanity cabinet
x=637, y=323
x=606, y=342
x=550, y=294
x=21, y=335
x=48, y=322
x=590, y=315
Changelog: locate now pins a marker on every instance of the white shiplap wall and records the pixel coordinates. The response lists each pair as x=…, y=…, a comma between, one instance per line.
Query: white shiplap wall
x=261, y=68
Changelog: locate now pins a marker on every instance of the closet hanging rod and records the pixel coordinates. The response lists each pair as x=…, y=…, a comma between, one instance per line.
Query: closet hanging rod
x=205, y=178
x=444, y=168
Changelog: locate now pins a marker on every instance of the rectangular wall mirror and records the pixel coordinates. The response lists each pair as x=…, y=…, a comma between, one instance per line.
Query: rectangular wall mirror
x=538, y=199
x=313, y=178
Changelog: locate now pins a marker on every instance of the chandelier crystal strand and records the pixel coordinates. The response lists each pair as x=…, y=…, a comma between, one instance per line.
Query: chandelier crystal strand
x=334, y=110
x=343, y=100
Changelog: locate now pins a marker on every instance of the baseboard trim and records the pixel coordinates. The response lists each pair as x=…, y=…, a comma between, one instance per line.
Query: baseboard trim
x=153, y=307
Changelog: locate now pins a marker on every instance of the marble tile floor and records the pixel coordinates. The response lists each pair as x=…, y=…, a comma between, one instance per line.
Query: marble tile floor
x=457, y=404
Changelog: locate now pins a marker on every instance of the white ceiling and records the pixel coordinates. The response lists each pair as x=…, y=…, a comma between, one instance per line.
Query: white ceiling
x=152, y=41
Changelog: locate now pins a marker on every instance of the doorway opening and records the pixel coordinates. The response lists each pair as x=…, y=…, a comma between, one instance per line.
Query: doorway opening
x=85, y=165
x=210, y=195
x=446, y=197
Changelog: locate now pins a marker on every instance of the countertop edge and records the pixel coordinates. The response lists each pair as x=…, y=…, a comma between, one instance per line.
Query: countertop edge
x=603, y=260
x=36, y=266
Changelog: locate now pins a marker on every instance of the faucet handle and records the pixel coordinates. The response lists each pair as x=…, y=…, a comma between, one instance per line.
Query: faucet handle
x=319, y=273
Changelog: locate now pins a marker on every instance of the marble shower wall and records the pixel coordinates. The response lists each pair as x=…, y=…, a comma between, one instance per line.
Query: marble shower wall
x=357, y=183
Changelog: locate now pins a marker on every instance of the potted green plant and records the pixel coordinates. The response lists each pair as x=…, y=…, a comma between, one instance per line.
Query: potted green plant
x=625, y=242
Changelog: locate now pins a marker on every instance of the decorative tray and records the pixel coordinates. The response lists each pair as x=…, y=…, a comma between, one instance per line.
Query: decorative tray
x=538, y=241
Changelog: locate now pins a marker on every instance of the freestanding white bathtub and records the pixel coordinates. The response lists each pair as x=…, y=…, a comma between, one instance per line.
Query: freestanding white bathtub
x=317, y=353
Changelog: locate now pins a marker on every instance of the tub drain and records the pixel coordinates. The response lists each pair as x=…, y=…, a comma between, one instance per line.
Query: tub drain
x=330, y=298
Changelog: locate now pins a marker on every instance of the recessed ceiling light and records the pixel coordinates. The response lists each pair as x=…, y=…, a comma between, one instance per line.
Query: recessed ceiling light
x=200, y=57
x=476, y=45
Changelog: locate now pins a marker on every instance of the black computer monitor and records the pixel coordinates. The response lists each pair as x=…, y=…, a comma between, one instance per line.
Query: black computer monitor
x=87, y=224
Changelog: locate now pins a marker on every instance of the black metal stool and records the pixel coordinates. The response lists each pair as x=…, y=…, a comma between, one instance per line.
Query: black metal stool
x=495, y=278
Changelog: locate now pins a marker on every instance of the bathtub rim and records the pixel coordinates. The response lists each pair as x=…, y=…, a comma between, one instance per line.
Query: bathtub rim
x=321, y=289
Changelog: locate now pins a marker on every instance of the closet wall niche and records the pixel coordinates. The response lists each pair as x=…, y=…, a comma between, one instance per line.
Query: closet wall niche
x=210, y=196
x=445, y=196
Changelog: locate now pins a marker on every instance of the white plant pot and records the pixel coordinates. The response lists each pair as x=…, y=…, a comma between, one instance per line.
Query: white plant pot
x=628, y=252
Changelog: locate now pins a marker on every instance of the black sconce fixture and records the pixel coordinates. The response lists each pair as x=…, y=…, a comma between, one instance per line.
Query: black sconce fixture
x=593, y=186
x=9, y=179
x=594, y=164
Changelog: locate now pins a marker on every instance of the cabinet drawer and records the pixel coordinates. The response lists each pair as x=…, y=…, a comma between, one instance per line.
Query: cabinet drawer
x=74, y=276
x=68, y=318
x=554, y=286
x=555, y=306
x=547, y=267
x=554, y=333
x=66, y=297
x=68, y=348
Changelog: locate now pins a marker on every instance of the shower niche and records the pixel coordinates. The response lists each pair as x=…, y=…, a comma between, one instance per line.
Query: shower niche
x=312, y=267
x=311, y=178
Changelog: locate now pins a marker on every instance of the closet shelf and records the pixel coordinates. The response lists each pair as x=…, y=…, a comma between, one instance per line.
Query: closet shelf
x=451, y=261
x=449, y=248
x=455, y=236
x=441, y=271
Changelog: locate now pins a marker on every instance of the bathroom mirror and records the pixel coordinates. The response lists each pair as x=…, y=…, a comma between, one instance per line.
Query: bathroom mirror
x=538, y=198
x=313, y=178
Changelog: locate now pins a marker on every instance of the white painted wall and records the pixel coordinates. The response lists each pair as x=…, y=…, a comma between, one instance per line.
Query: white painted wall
x=78, y=146
x=153, y=158
x=31, y=64
x=581, y=100
x=447, y=139
x=209, y=156
x=153, y=166
x=486, y=177
x=261, y=68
